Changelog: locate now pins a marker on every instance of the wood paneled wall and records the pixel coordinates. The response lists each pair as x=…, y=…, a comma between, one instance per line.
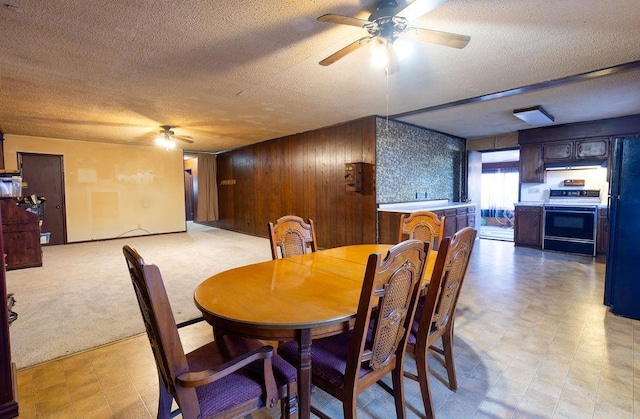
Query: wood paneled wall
x=302, y=174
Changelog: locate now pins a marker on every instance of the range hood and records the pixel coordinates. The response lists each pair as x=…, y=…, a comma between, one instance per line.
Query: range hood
x=575, y=164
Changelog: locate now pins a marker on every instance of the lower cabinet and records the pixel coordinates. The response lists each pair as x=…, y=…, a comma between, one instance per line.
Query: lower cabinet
x=455, y=219
x=602, y=235
x=450, y=221
x=528, y=226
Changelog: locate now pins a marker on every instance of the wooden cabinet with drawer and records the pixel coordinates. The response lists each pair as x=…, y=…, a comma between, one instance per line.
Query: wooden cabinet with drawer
x=21, y=234
x=458, y=218
x=528, y=226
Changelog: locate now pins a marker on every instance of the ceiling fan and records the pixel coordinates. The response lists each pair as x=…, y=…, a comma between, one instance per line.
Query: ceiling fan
x=167, y=138
x=388, y=22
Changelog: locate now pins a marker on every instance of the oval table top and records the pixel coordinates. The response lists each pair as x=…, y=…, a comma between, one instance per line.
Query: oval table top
x=298, y=297
x=305, y=291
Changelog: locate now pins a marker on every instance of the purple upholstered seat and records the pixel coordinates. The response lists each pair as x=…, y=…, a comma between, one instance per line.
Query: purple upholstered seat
x=207, y=382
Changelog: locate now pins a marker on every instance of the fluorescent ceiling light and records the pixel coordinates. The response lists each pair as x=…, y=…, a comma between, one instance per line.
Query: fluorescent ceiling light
x=534, y=116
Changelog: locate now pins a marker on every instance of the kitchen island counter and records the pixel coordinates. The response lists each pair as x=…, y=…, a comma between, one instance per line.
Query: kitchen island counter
x=457, y=215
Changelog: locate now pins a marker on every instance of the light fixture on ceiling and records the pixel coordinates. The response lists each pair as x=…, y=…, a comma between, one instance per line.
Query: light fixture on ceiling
x=166, y=138
x=535, y=115
x=385, y=52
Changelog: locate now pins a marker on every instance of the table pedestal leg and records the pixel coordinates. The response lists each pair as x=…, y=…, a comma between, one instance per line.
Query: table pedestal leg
x=304, y=373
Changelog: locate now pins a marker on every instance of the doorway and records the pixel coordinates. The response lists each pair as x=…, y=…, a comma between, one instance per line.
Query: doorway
x=499, y=193
x=188, y=195
x=44, y=176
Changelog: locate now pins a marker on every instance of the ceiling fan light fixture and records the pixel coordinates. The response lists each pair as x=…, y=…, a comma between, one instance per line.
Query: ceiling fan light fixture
x=164, y=140
x=379, y=56
x=403, y=47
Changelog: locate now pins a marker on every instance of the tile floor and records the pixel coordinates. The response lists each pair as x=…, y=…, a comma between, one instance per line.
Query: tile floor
x=533, y=340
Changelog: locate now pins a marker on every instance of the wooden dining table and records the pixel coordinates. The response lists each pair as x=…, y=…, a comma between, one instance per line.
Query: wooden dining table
x=295, y=298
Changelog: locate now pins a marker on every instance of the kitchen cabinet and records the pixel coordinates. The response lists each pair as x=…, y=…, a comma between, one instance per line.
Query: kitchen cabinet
x=558, y=151
x=592, y=148
x=528, y=226
x=531, y=164
x=456, y=217
x=572, y=150
x=450, y=221
x=602, y=234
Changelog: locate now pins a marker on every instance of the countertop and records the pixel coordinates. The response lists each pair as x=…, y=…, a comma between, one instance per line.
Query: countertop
x=542, y=203
x=436, y=205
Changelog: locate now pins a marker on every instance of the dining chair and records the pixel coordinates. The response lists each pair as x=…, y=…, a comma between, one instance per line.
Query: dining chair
x=291, y=235
x=435, y=314
x=205, y=383
x=345, y=365
x=422, y=225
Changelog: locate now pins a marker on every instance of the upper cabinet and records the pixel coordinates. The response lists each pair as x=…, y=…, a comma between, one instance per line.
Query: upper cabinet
x=531, y=164
x=571, y=150
x=562, y=150
x=533, y=156
x=592, y=148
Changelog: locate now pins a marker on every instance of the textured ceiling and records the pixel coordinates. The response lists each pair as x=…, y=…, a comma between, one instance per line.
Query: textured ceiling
x=235, y=73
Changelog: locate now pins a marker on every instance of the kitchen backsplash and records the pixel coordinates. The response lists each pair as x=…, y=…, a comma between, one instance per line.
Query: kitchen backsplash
x=593, y=179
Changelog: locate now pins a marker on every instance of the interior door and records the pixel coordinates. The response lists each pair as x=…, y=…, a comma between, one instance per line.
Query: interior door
x=474, y=182
x=44, y=176
x=188, y=194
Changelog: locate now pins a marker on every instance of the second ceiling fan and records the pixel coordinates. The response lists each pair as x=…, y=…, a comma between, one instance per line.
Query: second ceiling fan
x=388, y=22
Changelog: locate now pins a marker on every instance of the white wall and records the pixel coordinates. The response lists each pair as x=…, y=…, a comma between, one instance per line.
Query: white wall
x=112, y=190
x=594, y=179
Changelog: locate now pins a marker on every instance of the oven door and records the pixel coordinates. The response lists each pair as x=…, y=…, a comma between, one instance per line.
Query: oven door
x=572, y=223
x=570, y=229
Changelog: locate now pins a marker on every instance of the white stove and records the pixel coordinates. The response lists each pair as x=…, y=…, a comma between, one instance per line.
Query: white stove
x=570, y=220
x=573, y=197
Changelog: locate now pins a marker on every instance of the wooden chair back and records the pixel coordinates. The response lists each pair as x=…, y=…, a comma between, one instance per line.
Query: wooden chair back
x=448, y=275
x=208, y=381
x=346, y=364
x=436, y=313
x=386, y=309
x=291, y=235
x=161, y=327
x=422, y=225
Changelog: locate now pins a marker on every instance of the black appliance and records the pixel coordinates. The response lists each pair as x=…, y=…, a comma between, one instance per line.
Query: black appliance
x=570, y=221
x=622, y=281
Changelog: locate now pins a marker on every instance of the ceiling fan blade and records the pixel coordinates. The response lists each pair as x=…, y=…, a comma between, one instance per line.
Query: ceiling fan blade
x=346, y=50
x=415, y=9
x=447, y=39
x=185, y=138
x=343, y=20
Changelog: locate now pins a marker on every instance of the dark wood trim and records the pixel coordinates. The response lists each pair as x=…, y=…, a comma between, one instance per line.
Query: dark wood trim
x=624, y=125
x=607, y=71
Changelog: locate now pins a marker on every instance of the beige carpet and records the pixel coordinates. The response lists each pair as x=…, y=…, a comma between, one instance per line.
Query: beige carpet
x=82, y=295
